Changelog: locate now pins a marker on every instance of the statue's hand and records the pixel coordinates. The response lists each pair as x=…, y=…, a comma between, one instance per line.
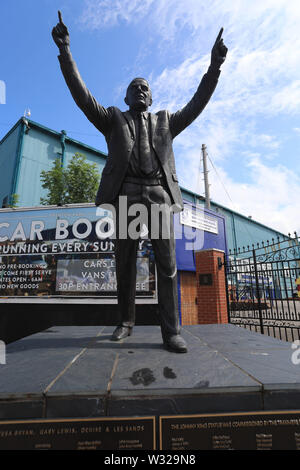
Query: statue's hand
x=219, y=51
x=60, y=33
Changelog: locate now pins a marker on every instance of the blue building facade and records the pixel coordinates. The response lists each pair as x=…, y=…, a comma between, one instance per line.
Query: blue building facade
x=26, y=150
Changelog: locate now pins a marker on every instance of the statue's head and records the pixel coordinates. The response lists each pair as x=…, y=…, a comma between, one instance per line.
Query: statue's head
x=138, y=96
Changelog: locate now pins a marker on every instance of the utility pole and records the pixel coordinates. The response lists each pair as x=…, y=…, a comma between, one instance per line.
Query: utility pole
x=205, y=172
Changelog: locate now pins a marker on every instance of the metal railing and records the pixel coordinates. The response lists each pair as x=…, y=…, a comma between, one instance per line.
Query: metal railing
x=262, y=287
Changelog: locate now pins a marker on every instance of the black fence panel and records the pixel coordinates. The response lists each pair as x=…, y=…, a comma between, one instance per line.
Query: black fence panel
x=263, y=288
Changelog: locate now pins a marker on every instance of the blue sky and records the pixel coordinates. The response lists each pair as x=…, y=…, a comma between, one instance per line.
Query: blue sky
x=251, y=126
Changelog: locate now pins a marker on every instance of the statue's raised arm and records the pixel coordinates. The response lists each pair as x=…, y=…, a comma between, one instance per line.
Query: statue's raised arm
x=97, y=114
x=185, y=116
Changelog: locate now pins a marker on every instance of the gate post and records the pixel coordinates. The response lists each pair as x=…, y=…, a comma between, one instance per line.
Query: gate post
x=258, y=292
x=211, y=287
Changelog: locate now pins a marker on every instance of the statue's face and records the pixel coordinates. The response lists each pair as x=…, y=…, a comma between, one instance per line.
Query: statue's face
x=138, y=96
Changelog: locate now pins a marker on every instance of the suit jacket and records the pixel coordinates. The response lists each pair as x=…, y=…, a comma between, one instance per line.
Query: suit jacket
x=119, y=131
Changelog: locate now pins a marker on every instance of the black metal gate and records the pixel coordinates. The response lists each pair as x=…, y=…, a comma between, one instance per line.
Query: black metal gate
x=263, y=288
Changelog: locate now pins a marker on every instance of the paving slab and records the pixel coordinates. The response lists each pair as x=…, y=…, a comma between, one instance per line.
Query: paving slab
x=76, y=371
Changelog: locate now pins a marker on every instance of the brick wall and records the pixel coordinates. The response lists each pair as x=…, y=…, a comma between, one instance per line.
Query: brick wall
x=211, y=287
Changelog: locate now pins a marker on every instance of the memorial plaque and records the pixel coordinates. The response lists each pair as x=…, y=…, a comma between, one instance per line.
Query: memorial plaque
x=276, y=430
x=79, y=434
x=205, y=279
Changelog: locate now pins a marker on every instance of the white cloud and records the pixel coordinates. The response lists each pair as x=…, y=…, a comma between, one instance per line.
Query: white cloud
x=287, y=99
x=267, y=141
x=259, y=80
x=269, y=196
x=99, y=14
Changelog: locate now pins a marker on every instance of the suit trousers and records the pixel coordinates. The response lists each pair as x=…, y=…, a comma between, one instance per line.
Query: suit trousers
x=163, y=244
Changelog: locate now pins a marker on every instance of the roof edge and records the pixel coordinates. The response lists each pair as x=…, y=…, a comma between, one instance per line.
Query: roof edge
x=11, y=130
x=53, y=132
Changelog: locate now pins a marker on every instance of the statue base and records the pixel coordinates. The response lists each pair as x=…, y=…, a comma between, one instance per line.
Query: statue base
x=140, y=396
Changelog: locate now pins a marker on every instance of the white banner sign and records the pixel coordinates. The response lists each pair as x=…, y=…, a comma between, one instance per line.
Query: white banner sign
x=196, y=218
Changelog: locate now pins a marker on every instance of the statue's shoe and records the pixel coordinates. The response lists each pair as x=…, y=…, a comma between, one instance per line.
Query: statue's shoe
x=175, y=343
x=121, y=332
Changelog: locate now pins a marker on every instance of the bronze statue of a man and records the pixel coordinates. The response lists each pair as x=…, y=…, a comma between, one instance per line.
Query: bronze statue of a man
x=141, y=166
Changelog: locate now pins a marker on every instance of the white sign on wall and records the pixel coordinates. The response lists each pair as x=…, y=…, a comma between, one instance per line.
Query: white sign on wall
x=197, y=218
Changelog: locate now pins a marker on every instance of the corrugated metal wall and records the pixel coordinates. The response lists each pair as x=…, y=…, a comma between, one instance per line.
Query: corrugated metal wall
x=72, y=148
x=242, y=231
x=8, y=155
x=39, y=151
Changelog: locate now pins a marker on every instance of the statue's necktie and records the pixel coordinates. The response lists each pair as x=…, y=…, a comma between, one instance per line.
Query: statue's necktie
x=144, y=146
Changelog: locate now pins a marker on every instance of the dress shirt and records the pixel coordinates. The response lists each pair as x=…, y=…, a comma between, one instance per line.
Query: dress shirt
x=134, y=167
